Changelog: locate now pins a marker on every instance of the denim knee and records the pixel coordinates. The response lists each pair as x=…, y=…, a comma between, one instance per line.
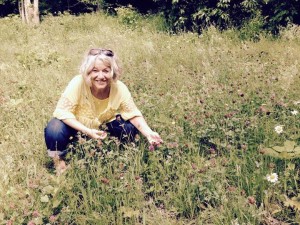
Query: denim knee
x=58, y=135
x=123, y=130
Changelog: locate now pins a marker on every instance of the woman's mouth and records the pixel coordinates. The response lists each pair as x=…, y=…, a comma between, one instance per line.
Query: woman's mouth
x=101, y=81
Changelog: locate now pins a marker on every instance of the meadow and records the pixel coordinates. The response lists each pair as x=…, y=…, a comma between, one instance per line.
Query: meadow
x=227, y=110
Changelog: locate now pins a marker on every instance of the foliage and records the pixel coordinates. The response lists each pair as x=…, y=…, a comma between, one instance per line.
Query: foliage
x=217, y=102
x=281, y=13
x=8, y=7
x=224, y=14
x=128, y=16
x=288, y=151
x=252, y=17
x=144, y=7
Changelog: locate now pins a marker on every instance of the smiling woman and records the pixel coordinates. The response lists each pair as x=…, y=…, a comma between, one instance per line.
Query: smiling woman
x=93, y=98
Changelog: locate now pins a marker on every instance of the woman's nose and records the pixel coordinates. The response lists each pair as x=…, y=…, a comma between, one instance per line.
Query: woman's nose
x=100, y=74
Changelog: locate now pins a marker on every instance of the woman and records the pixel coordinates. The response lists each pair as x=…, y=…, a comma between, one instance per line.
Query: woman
x=93, y=98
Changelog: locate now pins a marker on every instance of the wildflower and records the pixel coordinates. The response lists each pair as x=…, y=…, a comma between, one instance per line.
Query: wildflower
x=151, y=148
x=278, y=129
x=121, y=166
x=273, y=177
x=30, y=223
x=240, y=93
x=231, y=189
x=212, y=151
x=271, y=165
x=251, y=200
x=32, y=184
x=244, y=147
x=264, y=110
x=104, y=180
x=194, y=166
x=139, y=179
x=35, y=213
x=294, y=112
x=52, y=218
x=10, y=222
x=213, y=162
x=172, y=145
x=26, y=212
x=173, y=122
x=202, y=170
x=229, y=115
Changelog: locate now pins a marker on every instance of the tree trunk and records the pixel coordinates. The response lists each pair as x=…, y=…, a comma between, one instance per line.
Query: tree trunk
x=36, y=13
x=22, y=11
x=29, y=12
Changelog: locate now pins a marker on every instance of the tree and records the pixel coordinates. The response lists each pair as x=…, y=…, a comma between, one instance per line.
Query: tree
x=29, y=12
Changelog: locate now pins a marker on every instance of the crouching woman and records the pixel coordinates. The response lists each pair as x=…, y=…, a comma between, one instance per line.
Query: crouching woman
x=95, y=97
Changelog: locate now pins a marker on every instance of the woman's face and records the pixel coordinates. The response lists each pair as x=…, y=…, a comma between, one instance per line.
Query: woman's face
x=100, y=76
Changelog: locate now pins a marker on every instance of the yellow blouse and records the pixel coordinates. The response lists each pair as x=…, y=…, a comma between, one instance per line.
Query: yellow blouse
x=77, y=102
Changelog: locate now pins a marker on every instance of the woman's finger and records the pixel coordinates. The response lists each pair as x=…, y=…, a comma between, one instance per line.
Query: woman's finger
x=102, y=134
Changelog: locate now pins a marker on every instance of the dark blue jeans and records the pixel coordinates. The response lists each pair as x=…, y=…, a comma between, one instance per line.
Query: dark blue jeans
x=58, y=134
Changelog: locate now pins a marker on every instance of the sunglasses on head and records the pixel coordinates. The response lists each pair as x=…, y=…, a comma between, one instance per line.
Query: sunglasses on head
x=100, y=51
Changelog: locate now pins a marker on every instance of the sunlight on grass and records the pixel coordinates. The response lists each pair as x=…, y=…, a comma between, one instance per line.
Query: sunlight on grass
x=216, y=101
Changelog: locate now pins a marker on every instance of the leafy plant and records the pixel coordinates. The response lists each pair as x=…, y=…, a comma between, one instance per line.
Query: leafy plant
x=289, y=150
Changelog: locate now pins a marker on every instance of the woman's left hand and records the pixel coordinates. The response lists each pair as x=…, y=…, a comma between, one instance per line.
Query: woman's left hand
x=154, y=138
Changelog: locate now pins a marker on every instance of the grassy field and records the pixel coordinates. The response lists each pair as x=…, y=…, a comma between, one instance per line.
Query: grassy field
x=226, y=109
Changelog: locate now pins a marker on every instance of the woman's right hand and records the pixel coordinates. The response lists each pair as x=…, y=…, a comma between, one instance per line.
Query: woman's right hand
x=154, y=138
x=92, y=133
x=97, y=134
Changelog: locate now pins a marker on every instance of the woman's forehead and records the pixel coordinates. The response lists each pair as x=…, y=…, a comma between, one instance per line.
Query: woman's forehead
x=99, y=63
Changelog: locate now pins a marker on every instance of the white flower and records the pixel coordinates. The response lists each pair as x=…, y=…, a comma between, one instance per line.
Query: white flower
x=278, y=129
x=294, y=112
x=273, y=177
x=45, y=198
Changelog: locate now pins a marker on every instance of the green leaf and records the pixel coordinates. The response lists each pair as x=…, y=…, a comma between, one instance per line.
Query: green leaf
x=47, y=190
x=288, y=151
x=289, y=145
x=45, y=198
x=293, y=202
x=278, y=148
x=56, y=202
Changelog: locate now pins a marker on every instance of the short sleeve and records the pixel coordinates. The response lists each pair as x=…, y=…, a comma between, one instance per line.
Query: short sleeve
x=69, y=100
x=128, y=109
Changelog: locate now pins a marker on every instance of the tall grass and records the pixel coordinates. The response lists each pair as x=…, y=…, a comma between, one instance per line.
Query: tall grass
x=214, y=99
